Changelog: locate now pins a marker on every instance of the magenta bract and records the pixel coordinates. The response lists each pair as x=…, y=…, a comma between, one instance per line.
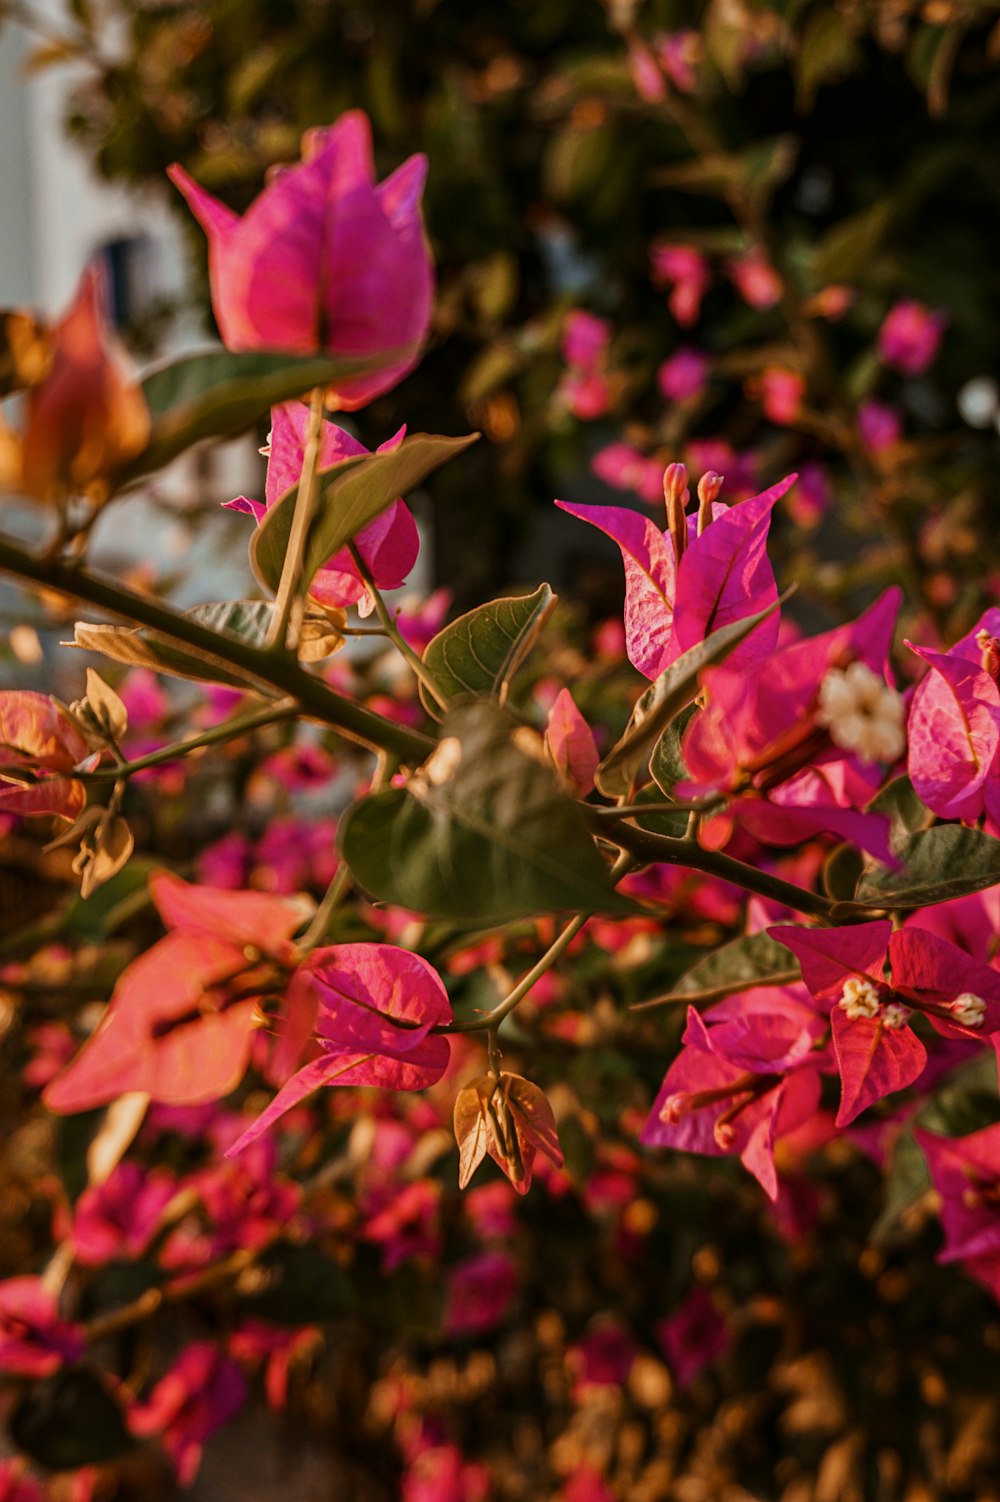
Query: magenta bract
x=326, y=259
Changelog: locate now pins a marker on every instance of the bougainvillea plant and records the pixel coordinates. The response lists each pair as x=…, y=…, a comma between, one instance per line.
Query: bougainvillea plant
x=773, y=784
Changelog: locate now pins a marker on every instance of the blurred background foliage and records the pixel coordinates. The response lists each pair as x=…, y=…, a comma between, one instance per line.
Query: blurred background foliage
x=851, y=145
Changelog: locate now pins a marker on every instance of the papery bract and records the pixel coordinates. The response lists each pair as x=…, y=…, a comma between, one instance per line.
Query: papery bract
x=325, y=259
x=723, y=576
x=480, y=1292
x=373, y=1007
x=38, y=736
x=34, y=1341
x=388, y=544
x=569, y=741
x=509, y=1118
x=966, y=1175
x=203, y=1390
x=179, y=1026
x=118, y=1219
x=88, y=416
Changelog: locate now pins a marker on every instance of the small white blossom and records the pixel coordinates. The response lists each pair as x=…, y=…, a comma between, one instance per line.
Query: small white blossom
x=969, y=1010
x=894, y=1014
x=860, y=999
x=862, y=713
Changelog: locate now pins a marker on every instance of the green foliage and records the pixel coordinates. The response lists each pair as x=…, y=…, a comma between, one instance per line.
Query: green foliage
x=480, y=652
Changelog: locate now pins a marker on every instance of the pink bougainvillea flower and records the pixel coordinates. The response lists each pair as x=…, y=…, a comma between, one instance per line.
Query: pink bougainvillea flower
x=324, y=260
x=88, y=416
x=694, y=1337
x=480, y=1292
x=810, y=500
x=278, y=1348
x=118, y=1219
x=781, y=395
x=880, y=426
x=755, y=279
x=373, y=1007
x=966, y=1174
x=739, y=470
x=910, y=336
x=569, y=741
x=626, y=468
x=686, y=272
x=585, y=340
x=388, y=544
x=16, y=1485
x=954, y=726
x=679, y=54
x=34, y=1341
x=723, y=576
x=738, y=1086
x=38, y=736
x=203, y=1390
x=876, y=1049
x=805, y=729
x=683, y=376
x=180, y=1023
x=440, y=1473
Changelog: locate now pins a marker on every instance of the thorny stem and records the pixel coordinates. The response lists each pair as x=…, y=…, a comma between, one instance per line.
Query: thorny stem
x=286, y=613
x=392, y=631
x=280, y=674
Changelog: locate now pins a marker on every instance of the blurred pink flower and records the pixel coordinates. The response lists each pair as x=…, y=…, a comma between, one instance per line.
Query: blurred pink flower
x=781, y=393
x=480, y=1292
x=203, y=1390
x=626, y=468
x=34, y=1341
x=686, y=271
x=585, y=339
x=910, y=336
x=755, y=279
x=880, y=425
x=325, y=259
x=693, y=1337
x=679, y=54
x=683, y=376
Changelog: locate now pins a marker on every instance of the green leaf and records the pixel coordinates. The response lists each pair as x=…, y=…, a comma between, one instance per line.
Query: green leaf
x=753, y=960
x=70, y=1420
x=671, y=692
x=906, y=1182
x=484, y=833
x=828, y=51
x=908, y=814
x=847, y=249
x=219, y=394
x=138, y=647
x=937, y=864
x=480, y=652
x=96, y=917
x=352, y=494
x=667, y=761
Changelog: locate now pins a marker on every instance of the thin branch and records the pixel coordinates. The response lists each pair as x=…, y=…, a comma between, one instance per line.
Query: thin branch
x=281, y=674
x=228, y=731
x=392, y=631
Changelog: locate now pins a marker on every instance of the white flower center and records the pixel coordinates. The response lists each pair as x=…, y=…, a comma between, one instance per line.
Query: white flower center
x=862, y=713
x=894, y=1014
x=860, y=999
x=969, y=1010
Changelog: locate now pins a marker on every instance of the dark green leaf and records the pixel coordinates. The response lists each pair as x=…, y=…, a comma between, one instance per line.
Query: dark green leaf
x=937, y=864
x=352, y=494
x=904, y=808
x=483, y=834
x=753, y=960
x=70, y=1420
x=906, y=1183
x=219, y=394
x=667, y=761
x=671, y=692
x=480, y=652
x=841, y=872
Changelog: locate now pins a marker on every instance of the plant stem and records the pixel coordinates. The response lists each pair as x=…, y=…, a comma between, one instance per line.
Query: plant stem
x=276, y=671
x=228, y=731
x=653, y=848
x=717, y=993
x=392, y=631
x=147, y=1304
x=286, y=621
x=492, y=1019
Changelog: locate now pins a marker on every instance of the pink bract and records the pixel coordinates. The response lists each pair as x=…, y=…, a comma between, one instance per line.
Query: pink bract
x=325, y=259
